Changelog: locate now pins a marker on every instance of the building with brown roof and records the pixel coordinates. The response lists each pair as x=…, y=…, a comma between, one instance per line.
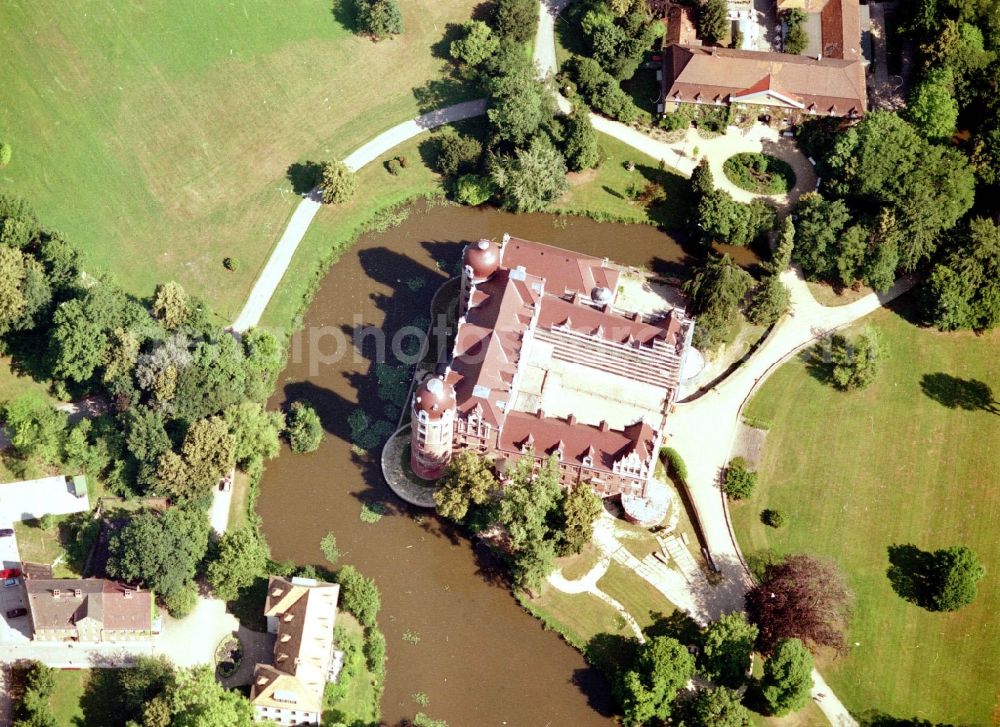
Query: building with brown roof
x=544, y=363
x=301, y=612
x=88, y=610
x=832, y=83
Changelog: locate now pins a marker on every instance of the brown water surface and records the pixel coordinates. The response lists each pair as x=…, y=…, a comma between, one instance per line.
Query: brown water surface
x=480, y=658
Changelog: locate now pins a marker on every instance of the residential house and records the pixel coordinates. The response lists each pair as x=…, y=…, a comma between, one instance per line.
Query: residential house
x=88, y=610
x=301, y=612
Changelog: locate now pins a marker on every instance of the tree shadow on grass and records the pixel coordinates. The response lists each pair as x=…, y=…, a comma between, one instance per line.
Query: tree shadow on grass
x=956, y=393
x=438, y=93
x=877, y=718
x=304, y=176
x=911, y=574
x=345, y=13
x=678, y=625
x=442, y=48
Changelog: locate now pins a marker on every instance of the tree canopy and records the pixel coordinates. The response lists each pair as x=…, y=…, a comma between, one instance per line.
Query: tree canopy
x=647, y=690
x=787, y=677
x=717, y=290
x=159, y=550
x=801, y=597
x=727, y=645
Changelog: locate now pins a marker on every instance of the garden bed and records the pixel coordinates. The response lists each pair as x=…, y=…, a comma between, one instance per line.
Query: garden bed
x=759, y=173
x=228, y=655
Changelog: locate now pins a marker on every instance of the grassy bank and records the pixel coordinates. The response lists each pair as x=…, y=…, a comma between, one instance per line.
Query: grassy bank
x=614, y=193
x=158, y=136
x=900, y=463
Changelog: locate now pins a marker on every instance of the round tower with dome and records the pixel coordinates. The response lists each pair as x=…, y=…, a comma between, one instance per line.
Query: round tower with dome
x=432, y=427
x=479, y=261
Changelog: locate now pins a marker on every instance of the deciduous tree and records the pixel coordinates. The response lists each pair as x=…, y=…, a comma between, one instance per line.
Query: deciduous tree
x=359, y=595
x=787, y=678
x=171, y=305
x=476, y=44
x=580, y=508
x=647, y=690
x=726, y=649
x=964, y=288
x=932, y=107
x=467, y=480
x=516, y=19
x=801, y=597
x=305, y=430
x=242, y=557
x=532, y=178
x=159, y=550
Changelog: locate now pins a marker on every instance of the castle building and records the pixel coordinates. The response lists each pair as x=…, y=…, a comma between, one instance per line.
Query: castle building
x=544, y=362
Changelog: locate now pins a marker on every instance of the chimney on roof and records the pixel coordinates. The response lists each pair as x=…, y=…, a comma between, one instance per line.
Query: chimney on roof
x=288, y=617
x=56, y=593
x=261, y=681
x=275, y=592
x=540, y=413
x=77, y=592
x=571, y=419
x=127, y=593
x=286, y=637
x=604, y=426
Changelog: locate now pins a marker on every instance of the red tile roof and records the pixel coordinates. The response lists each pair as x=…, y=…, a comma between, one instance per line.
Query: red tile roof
x=565, y=271
x=488, y=343
x=546, y=434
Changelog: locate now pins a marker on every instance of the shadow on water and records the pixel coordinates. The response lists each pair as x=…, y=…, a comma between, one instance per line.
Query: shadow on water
x=480, y=658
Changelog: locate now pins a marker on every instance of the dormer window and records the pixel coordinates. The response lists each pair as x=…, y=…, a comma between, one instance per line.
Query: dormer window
x=588, y=461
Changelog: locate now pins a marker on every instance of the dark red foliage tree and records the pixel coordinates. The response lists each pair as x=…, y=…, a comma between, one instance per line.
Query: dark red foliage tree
x=802, y=597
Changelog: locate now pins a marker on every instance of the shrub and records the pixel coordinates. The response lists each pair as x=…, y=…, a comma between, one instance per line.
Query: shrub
x=759, y=173
x=600, y=90
x=473, y=190
x=338, y=183
x=403, y=161
x=329, y=547
x=5, y=153
x=231, y=263
x=675, y=463
x=772, y=518
x=740, y=480
x=796, y=38
x=394, y=167
x=305, y=430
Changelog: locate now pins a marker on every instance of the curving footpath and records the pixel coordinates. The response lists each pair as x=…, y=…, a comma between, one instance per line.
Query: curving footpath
x=281, y=256
x=704, y=430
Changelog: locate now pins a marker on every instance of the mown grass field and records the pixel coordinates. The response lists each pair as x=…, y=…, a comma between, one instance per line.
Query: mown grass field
x=158, y=135
x=65, y=700
x=900, y=463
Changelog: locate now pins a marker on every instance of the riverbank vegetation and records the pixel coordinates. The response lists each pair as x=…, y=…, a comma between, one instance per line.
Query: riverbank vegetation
x=899, y=190
x=932, y=407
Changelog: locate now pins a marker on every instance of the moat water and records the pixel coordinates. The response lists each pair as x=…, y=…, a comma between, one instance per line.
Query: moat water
x=469, y=647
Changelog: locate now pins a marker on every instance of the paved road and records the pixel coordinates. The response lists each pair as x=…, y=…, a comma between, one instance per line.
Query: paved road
x=281, y=256
x=681, y=154
x=30, y=499
x=704, y=432
x=186, y=643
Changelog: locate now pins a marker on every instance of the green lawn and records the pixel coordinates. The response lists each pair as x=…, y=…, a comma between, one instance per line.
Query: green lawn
x=336, y=227
x=859, y=472
x=158, y=135
x=574, y=567
x=360, y=703
x=65, y=700
x=645, y=603
x=577, y=616
x=608, y=192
